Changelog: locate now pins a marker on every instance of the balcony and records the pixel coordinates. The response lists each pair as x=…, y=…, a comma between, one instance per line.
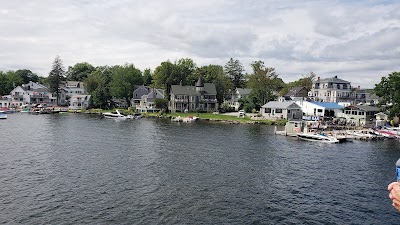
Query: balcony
x=181, y=100
x=39, y=96
x=208, y=100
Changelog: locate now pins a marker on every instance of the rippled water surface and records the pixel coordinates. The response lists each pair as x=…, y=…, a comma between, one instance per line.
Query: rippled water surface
x=72, y=168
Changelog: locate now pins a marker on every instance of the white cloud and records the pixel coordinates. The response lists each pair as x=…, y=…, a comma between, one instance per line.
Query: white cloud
x=350, y=39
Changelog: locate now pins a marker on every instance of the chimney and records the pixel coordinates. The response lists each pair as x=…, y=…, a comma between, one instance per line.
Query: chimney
x=358, y=88
x=180, y=83
x=318, y=78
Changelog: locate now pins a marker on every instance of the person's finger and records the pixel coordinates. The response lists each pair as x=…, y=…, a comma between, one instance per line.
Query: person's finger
x=391, y=185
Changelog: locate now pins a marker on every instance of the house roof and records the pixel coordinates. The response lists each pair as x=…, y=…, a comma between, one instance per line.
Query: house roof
x=200, y=82
x=331, y=80
x=209, y=89
x=281, y=105
x=153, y=93
x=294, y=91
x=365, y=108
x=243, y=91
x=328, y=105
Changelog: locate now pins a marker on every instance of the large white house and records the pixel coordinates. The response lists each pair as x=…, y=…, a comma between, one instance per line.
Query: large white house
x=281, y=110
x=331, y=90
x=35, y=93
x=74, y=88
x=321, y=109
x=79, y=102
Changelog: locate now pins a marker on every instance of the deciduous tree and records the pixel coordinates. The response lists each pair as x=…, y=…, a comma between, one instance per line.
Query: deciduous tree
x=97, y=84
x=388, y=90
x=263, y=83
x=79, y=72
x=124, y=79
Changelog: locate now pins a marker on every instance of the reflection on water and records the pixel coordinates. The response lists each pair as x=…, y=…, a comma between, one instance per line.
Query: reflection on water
x=74, y=168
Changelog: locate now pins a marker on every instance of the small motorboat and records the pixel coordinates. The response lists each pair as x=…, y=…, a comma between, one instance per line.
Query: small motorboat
x=3, y=115
x=117, y=115
x=317, y=137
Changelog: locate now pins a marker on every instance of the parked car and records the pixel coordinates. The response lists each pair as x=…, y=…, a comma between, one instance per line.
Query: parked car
x=241, y=113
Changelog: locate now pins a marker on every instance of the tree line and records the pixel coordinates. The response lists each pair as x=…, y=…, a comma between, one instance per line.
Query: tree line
x=104, y=83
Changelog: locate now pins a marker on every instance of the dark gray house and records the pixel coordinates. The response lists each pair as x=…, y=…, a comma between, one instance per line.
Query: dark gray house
x=296, y=92
x=201, y=97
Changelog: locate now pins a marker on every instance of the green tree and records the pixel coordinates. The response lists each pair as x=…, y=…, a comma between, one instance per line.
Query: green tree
x=161, y=103
x=263, y=83
x=215, y=74
x=79, y=72
x=3, y=84
x=165, y=76
x=184, y=71
x=27, y=76
x=305, y=81
x=97, y=84
x=234, y=70
x=388, y=90
x=56, y=77
x=124, y=79
x=147, y=77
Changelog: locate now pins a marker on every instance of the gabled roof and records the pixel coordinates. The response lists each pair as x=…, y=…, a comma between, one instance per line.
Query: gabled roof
x=295, y=90
x=243, y=91
x=332, y=80
x=281, y=105
x=328, y=105
x=209, y=89
x=154, y=93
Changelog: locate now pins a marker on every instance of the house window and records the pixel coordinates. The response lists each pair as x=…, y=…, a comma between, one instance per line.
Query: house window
x=288, y=111
x=278, y=110
x=267, y=110
x=319, y=110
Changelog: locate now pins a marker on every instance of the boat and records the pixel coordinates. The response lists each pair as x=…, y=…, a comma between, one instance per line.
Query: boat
x=3, y=115
x=137, y=116
x=184, y=119
x=117, y=115
x=317, y=137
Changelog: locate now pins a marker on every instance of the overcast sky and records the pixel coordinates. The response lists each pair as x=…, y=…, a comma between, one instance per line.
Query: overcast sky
x=358, y=41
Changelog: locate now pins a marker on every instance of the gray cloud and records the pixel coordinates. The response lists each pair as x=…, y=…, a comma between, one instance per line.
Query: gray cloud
x=355, y=39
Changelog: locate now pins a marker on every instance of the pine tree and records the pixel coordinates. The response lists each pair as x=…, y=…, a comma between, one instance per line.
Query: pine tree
x=234, y=70
x=56, y=77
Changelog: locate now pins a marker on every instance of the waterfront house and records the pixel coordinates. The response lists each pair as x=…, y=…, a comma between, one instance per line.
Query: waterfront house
x=331, y=90
x=366, y=97
x=297, y=93
x=201, y=97
x=5, y=101
x=321, y=109
x=237, y=95
x=281, y=110
x=74, y=88
x=35, y=93
x=138, y=93
x=147, y=101
x=79, y=102
x=361, y=114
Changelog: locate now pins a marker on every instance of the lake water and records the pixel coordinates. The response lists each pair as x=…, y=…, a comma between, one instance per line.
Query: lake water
x=84, y=169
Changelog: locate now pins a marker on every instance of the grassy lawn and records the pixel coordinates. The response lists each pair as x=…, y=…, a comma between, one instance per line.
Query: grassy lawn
x=202, y=116
x=220, y=117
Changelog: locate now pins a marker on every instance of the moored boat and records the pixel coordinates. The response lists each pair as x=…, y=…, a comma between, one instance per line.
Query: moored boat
x=317, y=137
x=3, y=115
x=117, y=115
